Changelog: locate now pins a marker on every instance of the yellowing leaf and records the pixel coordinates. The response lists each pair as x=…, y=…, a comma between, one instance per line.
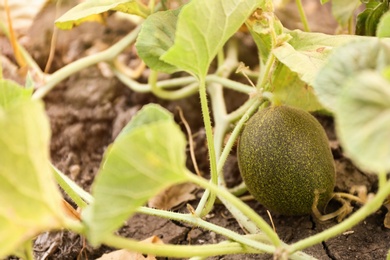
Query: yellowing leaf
x=306, y=53
x=90, y=10
x=30, y=201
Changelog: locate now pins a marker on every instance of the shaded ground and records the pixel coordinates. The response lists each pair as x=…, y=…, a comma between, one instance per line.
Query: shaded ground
x=88, y=110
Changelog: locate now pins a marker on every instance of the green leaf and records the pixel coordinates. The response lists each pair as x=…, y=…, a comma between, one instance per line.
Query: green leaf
x=363, y=121
x=29, y=198
x=90, y=10
x=202, y=29
x=288, y=88
x=383, y=29
x=306, y=53
x=147, y=157
x=156, y=37
x=364, y=54
x=374, y=18
x=150, y=114
x=11, y=92
x=343, y=10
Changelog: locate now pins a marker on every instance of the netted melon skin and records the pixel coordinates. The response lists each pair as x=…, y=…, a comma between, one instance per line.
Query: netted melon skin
x=284, y=158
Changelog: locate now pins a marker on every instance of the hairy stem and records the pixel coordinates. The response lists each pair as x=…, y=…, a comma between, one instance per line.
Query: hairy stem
x=204, y=210
x=228, y=83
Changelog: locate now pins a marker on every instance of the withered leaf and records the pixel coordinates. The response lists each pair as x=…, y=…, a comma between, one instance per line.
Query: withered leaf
x=173, y=196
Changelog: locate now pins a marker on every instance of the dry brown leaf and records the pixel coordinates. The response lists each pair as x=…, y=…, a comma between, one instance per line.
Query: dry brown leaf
x=173, y=196
x=123, y=254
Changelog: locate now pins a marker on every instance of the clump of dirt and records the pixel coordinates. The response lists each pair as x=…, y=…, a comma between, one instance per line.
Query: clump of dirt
x=88, y=110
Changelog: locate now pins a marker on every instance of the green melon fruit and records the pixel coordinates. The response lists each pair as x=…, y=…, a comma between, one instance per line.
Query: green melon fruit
x=284, y=159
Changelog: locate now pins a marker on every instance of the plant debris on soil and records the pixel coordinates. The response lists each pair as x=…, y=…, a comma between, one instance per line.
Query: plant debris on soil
x=89, y=109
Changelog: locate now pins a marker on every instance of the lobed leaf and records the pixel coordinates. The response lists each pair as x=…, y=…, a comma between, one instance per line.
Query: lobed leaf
x=147, y=157
x=383, y=29
x=306, y=53
x=90, y=10
x=291, y=90
x=203, y=27
x=343, y=10
x=29, y=198
x=363, y=120
x=155, y=38
x=365, y=53
x=11, y=92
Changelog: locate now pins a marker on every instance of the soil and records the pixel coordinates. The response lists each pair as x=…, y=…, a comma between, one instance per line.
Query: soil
x=89, y=109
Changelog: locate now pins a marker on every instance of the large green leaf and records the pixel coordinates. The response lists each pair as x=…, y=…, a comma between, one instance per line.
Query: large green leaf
x=291, y=90
x=343, y=10
x=202, y=29
x=383, y=29
x=147, y=157
x=90, y=10
x=306, y=53
x=11, y=92
x=300, y=61
x=156, y=37
x=366, y=53
x=30, y=201
x=363, y=121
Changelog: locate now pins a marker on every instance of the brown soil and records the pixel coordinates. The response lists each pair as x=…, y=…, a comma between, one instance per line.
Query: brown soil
x=88, y=110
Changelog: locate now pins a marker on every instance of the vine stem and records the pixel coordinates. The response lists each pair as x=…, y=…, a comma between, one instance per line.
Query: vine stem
x=204, y=207
x=219, y=111
x=191, y=82
x=244, y=208
x=240, y=216
x=170, y=95
x=178, y=251
x=198, y=222
x=106, y=55
x=302, y=15
x=251, y=108
x=355, y=218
